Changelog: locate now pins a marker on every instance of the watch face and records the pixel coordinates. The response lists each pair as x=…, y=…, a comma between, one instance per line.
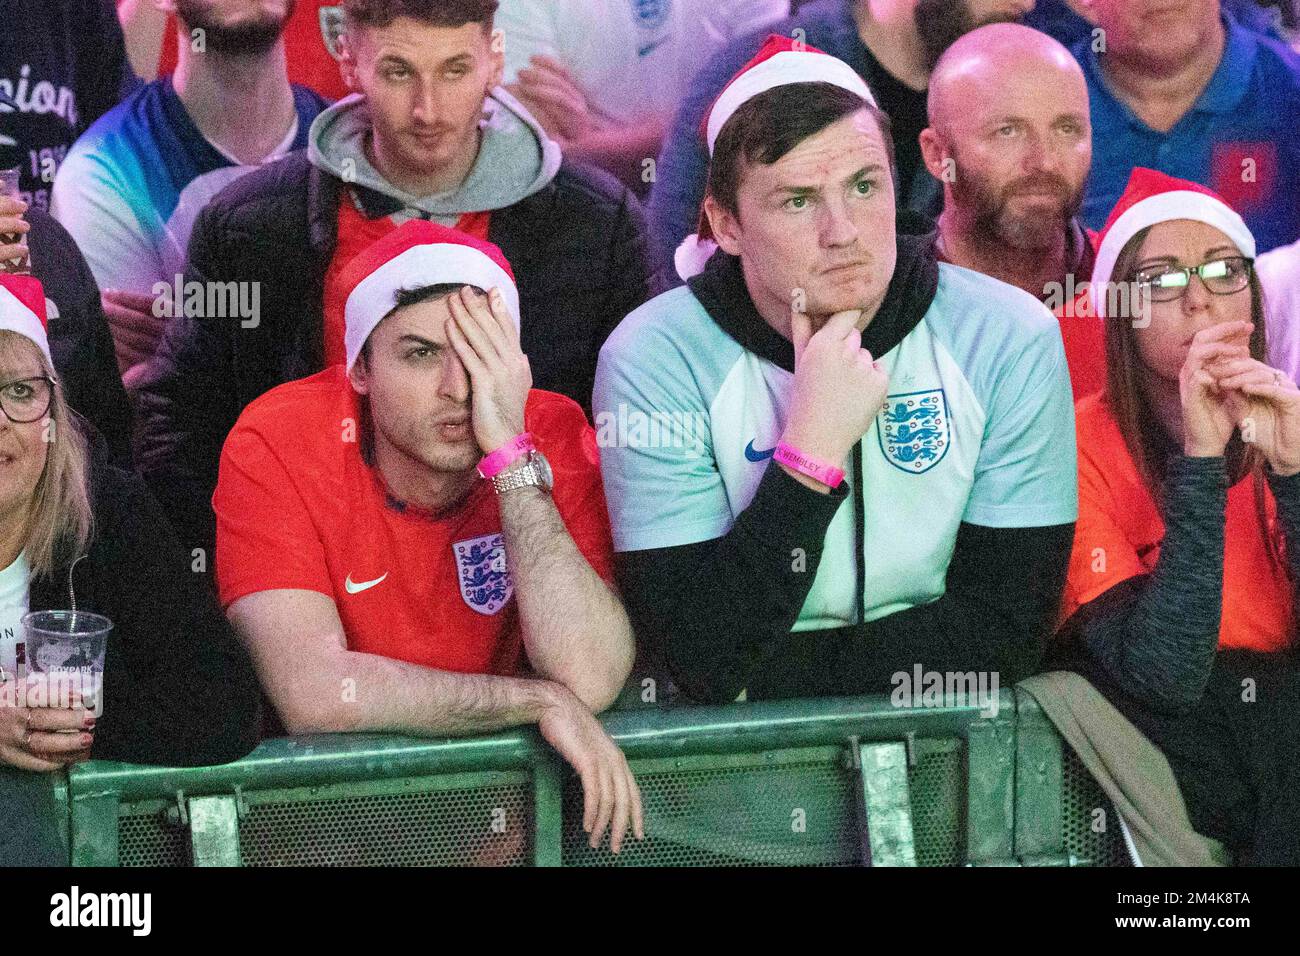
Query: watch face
x=543, y=470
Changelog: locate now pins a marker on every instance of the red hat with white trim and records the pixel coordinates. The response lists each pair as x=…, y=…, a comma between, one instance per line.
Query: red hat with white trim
x=781, y=61
x=22, y=310
x=417, y=253
x=1152, y=197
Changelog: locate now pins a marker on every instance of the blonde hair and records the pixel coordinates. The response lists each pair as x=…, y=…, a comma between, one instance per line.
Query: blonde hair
x=59, y=518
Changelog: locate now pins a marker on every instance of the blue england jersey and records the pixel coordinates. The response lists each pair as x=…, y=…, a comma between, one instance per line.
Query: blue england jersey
x=132, y=186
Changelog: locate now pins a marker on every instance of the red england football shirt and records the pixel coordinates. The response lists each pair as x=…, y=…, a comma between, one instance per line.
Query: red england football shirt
x=310, y=61
x=298, y=507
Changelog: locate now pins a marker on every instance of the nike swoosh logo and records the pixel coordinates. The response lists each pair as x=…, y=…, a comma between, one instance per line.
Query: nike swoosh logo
x=352, y=588
x=753, y=455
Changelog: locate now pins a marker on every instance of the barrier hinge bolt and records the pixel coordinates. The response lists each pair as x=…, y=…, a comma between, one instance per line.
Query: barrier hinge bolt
x=178, y=815
x=853, y=759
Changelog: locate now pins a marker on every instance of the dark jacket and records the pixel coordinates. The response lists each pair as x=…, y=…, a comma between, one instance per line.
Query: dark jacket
x=577, y=249
x=80, y=341
x=179, y=689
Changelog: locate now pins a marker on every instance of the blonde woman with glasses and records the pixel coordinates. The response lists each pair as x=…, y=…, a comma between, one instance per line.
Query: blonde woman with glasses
x=78, y=534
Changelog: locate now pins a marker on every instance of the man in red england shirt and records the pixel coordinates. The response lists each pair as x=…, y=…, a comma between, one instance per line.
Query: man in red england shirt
x=418, y=543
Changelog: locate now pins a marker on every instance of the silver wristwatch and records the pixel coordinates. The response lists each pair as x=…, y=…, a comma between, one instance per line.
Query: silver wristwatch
x=534, y=472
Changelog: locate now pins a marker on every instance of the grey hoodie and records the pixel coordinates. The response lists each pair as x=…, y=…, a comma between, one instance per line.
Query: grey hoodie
x=516, y=159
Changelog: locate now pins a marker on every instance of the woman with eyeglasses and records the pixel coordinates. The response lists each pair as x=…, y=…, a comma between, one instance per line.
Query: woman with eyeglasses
x=1180, y=600
x=78, y=534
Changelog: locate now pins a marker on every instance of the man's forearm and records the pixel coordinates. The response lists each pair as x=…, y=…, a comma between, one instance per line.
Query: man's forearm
x=1160, y=647
x=623, y=150
x=354, y=691
x=574, y=627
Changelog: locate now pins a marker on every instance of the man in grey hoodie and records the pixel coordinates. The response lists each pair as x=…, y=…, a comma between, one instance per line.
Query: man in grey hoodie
x=429, y=134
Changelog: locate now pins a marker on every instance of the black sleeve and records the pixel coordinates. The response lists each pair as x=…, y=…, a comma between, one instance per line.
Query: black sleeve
x=628, y=280
x=80, y=341
x=187, y=403
x=1001, y=597
x=104, y=73
x=1156, y=635
x=710, y=612
x=717, y=615
x=181, y=691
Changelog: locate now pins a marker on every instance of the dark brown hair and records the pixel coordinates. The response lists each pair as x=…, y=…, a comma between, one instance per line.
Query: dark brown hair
x=438, y=13
x=1138, y=422
x=773, y=123
x=414, y=296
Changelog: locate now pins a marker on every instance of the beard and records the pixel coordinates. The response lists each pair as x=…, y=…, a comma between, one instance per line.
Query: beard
x=251, y=37
x=995, y=221
x=941, y=23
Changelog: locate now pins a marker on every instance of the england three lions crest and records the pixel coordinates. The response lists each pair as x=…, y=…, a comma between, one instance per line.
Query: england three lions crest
x=913, y=430
x=484, y=578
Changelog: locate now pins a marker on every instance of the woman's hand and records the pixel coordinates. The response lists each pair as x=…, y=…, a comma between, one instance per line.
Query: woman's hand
x=13, y=229
x=41, y=739
x=1265, y=404
x=1207, y=423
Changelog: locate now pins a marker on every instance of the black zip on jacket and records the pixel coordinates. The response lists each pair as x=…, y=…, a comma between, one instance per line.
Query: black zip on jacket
x=717, y=615
x=576, y=247
x=80, y=341
x=179, y=689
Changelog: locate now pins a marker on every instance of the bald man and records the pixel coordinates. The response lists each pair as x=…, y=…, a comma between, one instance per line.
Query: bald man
x=1009, y=138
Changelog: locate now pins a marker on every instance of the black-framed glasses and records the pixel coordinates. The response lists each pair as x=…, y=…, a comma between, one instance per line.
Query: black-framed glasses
x=26, y=399
x=1225, y=276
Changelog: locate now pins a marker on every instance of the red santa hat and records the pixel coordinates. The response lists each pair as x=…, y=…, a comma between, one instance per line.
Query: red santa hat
x=22, y=310
x=415, y=254
x=781, y=61
x=1152, y=197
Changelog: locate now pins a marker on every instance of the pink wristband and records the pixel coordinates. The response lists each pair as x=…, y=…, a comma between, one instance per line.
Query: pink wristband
x=502, y=458
x=822, y=471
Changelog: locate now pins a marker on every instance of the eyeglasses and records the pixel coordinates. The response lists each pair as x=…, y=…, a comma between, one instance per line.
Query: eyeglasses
x=27, y=399
x=1164, y=283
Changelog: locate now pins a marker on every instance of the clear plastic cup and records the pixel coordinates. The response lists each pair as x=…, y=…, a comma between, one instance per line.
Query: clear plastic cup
x=67, y=648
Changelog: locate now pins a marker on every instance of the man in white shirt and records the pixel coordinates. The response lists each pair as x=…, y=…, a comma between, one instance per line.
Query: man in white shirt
x=605, y=76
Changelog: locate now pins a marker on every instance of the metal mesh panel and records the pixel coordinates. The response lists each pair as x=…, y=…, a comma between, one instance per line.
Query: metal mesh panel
x=144, y=838
x=1080, y=796
x=428, y=825
x=937, y=784
x=784, y=808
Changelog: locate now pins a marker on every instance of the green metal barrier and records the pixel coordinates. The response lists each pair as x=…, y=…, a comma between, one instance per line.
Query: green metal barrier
x=1062, y=816
x=814, y=782
x=753, y=784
